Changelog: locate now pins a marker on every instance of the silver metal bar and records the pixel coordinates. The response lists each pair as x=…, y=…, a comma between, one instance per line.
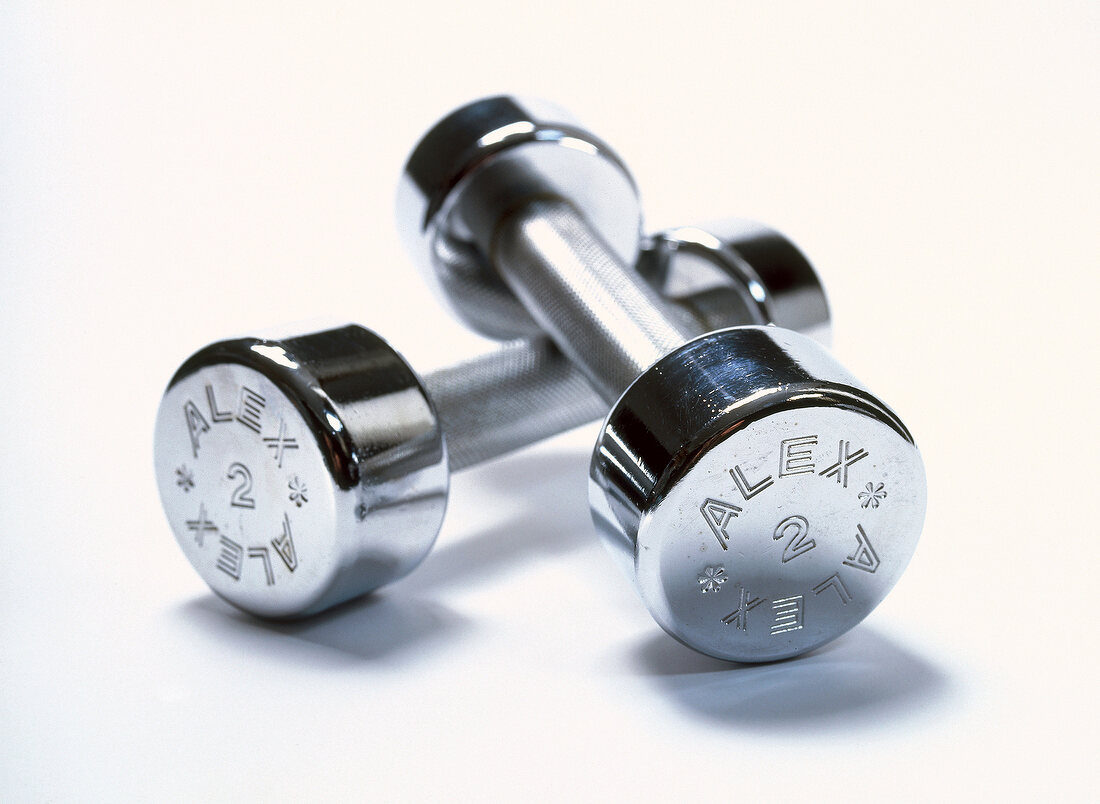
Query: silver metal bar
x=603, y=316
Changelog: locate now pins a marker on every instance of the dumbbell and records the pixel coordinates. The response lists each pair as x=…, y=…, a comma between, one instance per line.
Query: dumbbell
x=300, y=470
x=763, y=500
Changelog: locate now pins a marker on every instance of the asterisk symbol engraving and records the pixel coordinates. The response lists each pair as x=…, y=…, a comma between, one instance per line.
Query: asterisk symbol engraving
x=184, y=478
x=711, y=579
x=872, y=495
x=298, y=491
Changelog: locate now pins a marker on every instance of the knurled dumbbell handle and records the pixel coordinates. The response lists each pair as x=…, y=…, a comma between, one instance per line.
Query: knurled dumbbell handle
x=509, y=398
x=600, y=314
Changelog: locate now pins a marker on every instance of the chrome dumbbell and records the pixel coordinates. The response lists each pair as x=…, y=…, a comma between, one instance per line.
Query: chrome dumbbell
x=764, y=500
x=300, y=471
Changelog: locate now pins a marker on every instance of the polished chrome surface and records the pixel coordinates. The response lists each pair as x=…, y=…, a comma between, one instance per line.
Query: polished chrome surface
x=526, y=391
x=321, y=385
x=508, y=398
x=488, y=155
x=601, y=314
x=774, y=510
x=492, y=153
x=288, y=467
x=718, y=265
x=683, y=402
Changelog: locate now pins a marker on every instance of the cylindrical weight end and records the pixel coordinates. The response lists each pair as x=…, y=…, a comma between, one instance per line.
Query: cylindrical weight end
x=479, y=163
x=737, y=271
x=774, y=511
x=300, y=472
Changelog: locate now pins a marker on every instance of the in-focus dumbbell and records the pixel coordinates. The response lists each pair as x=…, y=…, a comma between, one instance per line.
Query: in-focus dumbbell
x=764, y=500
x=298, y=471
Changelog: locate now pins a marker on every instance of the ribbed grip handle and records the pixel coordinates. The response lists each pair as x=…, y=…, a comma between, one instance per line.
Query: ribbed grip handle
x=601, y=314
x=499, y=402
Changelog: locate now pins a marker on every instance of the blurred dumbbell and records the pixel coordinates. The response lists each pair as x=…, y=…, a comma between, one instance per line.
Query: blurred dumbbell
x=763, y=499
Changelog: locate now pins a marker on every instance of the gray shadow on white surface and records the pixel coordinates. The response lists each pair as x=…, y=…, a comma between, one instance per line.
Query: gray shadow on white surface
x=389, y=624
x=375, y=628
x=862, y=677
x=553, y=520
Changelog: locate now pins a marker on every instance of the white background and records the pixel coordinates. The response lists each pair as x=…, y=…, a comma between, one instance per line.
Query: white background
x=171, y=174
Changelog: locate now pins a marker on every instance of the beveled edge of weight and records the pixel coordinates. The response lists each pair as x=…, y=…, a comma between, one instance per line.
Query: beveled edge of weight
x=641, y=450
x=309, y=370
x=295, y=384
x=480, y=161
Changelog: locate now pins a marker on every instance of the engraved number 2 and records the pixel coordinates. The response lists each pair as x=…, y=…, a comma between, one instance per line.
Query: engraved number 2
x=241, y=497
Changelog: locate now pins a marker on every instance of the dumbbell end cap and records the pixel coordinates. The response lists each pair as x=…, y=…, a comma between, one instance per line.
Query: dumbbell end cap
x=773, y=511
x=738, y=264
x=300, y=472
x=476, y=165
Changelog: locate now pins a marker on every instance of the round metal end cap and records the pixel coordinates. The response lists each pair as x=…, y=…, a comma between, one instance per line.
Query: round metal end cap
x=774, y=511
x=738, y=267
x=478, y=164
x=300, y=472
